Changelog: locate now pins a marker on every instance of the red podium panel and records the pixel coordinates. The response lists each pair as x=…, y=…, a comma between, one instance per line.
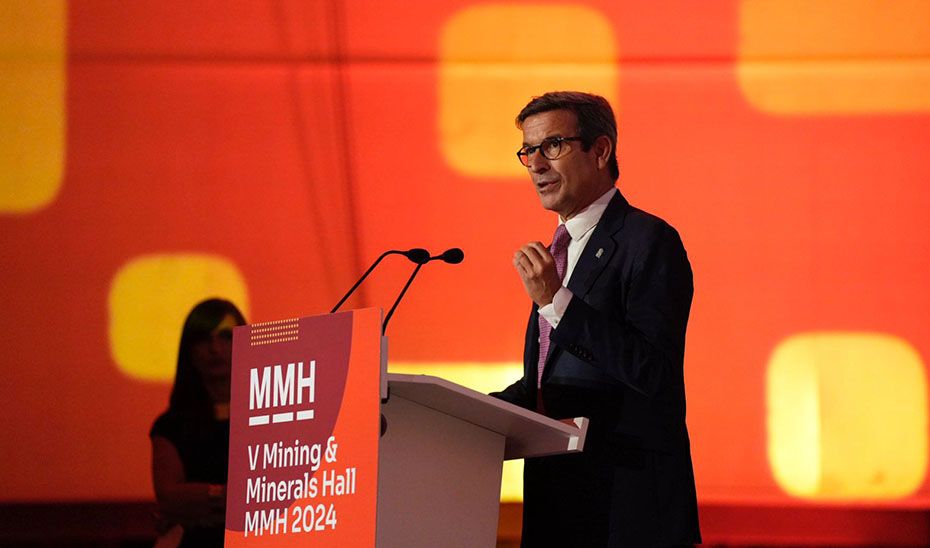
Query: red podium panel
x=304, y=426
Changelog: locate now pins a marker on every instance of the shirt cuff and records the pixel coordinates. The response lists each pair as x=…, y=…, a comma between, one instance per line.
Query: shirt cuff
x=554, y=311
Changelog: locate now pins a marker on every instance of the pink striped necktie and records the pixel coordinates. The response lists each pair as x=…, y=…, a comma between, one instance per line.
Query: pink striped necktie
x=559, y=250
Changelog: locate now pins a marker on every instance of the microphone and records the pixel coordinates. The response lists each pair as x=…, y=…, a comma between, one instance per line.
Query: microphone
x=416, y=255
x=450, y=256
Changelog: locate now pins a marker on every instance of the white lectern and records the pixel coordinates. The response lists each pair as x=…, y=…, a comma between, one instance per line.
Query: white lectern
x=440, y=460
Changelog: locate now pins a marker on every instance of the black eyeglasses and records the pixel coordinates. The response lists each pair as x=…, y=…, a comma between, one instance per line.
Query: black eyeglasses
x=550, y=147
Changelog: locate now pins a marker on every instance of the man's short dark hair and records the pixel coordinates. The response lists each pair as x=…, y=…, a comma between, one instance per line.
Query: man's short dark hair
x=595, y=118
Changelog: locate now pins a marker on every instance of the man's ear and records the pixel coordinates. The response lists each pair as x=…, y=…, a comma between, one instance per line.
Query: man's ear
x=602, y=149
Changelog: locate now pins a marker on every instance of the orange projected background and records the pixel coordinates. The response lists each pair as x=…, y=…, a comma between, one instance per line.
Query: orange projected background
x=155, y=153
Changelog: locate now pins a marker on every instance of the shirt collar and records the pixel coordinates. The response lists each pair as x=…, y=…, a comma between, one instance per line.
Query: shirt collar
x=587, y=218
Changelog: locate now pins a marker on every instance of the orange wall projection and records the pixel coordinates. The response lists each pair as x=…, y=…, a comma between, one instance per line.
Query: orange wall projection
x=158, y=152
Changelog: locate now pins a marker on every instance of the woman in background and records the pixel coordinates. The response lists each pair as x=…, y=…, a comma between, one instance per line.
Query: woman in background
x=190, y=441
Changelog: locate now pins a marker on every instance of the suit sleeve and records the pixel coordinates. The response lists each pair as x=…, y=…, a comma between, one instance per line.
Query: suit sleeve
x=638, y=335
x=516, y=394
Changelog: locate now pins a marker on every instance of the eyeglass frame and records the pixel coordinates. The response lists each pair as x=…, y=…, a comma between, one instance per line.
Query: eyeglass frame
x=528, y=151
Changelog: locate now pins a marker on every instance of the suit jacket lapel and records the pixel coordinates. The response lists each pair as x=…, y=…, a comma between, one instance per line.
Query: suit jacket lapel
x=596, y=255
x=600, y=248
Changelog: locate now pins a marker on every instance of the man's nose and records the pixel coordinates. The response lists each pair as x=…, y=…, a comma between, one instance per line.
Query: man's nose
x=537, y=162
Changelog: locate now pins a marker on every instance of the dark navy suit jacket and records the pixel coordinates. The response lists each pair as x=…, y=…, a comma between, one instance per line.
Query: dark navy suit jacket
x=617, y=358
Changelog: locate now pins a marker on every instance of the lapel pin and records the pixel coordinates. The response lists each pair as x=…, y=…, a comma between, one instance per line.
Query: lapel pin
x=600, y=251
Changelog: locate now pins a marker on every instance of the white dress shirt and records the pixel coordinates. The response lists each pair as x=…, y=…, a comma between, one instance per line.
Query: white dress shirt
x=580, y=227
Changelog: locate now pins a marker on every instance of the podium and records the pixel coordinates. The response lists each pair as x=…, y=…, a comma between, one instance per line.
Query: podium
x=440, y=460
x=328, y=449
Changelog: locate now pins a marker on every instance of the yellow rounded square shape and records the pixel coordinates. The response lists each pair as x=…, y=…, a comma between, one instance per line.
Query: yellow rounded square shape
x=32, y=97
x=835, y=56
x=495, y=57
x=847, y=416
x=150, y=297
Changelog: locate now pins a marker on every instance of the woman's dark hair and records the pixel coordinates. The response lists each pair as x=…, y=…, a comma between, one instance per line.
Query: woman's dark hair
x=189, y=394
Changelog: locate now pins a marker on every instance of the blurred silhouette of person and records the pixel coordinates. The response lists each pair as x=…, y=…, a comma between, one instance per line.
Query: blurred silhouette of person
x=190, y=441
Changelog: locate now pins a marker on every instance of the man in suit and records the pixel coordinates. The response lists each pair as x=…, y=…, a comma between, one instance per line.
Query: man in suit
x=605, y=340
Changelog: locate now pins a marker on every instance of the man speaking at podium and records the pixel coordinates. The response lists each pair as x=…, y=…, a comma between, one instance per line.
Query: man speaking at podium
x=611, y=297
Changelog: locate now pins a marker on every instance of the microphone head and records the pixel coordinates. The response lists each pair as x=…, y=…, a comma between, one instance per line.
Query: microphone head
x=417, y=255
x=452, y=256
